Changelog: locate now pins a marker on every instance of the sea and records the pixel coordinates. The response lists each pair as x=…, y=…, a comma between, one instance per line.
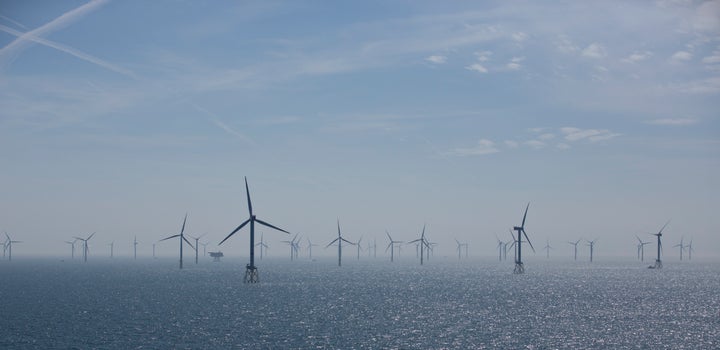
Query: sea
x=366, y=304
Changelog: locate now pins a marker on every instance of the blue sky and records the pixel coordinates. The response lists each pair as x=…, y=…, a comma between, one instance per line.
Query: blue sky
x=120, y=116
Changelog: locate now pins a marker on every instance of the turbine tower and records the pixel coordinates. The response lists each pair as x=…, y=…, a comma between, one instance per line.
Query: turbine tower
x=112, y=246
x=547, y=249
x=293, y=251
x=519, y=267
x=182, y=238
x=423, y=244
x=658, y=261
x=391, y=246
x=85, y=245
x=197, y=246
x=135, y=244
x=251, y=272
x=309, y=247
x=682, y=247
x=500, y=246
x=591, y=244
x=359, y=248
x=339, y=241
x=459, y=248
x=575, y=244
x=690, y=250
x=72, y=247
x=641, y=248
x=262, y=245
x=8, y=245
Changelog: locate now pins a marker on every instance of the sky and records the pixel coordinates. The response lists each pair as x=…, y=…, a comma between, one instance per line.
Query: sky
x=118, y=117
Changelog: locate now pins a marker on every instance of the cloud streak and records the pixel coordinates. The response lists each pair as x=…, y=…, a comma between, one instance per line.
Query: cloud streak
x=483, y=147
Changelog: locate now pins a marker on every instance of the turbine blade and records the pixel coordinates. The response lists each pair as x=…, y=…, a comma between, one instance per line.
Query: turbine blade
x=91, y=235
x=182, y=230
x=270, y=226
x=171, y=237
x=247, y=191
x=388, y=234
x=528, y=239
x=347, y=241
x=188, y=242
x=236, y=230
x=331, y=243
x=524, y=216
x=661, y=230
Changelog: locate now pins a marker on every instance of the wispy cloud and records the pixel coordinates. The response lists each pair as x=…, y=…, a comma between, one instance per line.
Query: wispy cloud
x=673, y=121
x=69, y=50
x=514, y=63
x=483, y=147
x=437, y=59
x=637, y=56
x=477, y=67
x=592, y=135
x=681, y=56
x=594, y=50
x=11, y=50
x=537, y=144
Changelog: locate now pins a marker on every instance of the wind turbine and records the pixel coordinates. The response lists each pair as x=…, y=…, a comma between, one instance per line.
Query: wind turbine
x=205, y=249
x=292, y=247
x=262, y=245
x=681, y=245
x=72, y=245
x=359, y=248
x=519, y=267
x=690, y=250
x=154, y=251
x=339, y=241
x=197, y=246
x=135, y=244
x=251, y=272
x=547, y=248
x=391, y=246
x=591, y=244
x=86, y=249
x=8, y=245
x=575, y=244
x=641, y=248
x=112, y=245
x=423, y=244
x=309, y=247
x=658, y=261
x=500, y=246
x=459, y=248
x=182, y=238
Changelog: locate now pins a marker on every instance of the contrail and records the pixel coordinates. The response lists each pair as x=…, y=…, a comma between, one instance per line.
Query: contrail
x=13, y=22
x=23, y=41
x=213, y=118
x=68, y=50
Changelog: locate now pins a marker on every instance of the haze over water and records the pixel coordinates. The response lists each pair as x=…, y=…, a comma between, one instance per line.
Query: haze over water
x=366, y=304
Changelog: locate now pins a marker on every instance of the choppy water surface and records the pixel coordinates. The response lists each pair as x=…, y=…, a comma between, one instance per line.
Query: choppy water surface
x=373, y=304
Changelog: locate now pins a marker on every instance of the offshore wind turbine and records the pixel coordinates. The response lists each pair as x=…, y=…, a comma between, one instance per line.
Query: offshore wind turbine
x=519, y=267
x=135, y=244
x=591, y=244
x=86, y=249
x=293, y=252
x=309, y=247
x=641, y=248
x=359, y=248
x=72, y=247
x=8, y=245
x=547, y=248
x=153, y=250
x=391, y=246
x=682, y=247
x=197, y=246
x=339, y=241
x=251, y=272
x=112, y=246
x=500, y=246
x=690, y=250
x=262, y=245
x=205, y=249
x=459, y=248
x=658, y=261
x=182, y=238
x=423, y=243
x=575, y=244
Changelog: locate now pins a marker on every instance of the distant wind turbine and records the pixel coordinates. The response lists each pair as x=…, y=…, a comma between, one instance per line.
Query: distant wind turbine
x=262, y=245
x=309, y=247
x=112, y=246
x=690, y=250
x=293, y=251
x=251, y=272
x=8, y=245
x=547, y=249
x=575, y=244
x=359, y=248
x=423, y=244
x=339, y=241
x=86, y=249
x=682, y=247
x=591, y=244
x=197, y=246
x=519, y=267
x=72, y=247
x=641, y=248
x=391, y=246
x=500, y=246
x=135, y=244
x=181, y=235
x=658, y=261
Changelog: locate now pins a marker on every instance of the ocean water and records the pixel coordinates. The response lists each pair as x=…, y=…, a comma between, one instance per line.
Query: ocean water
x=371, y=304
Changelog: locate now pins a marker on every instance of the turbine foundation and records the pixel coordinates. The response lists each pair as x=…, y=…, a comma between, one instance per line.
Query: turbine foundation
x=251, y=274
x=658, y=264
x=519, y=268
